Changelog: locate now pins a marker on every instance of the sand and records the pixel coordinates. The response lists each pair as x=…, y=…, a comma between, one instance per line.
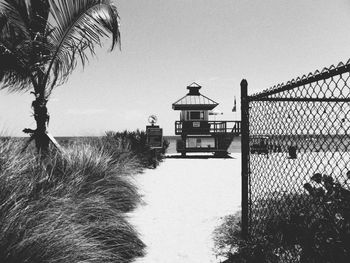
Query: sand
x=185, y=199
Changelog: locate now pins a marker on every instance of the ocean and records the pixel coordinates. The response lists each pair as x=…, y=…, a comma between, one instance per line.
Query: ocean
x=303, y=143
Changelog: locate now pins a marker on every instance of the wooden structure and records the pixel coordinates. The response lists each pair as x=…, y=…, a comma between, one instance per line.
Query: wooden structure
x=154, y=136
x=198, y=133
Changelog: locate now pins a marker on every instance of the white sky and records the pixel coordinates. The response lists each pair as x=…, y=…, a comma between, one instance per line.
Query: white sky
x=167, y=45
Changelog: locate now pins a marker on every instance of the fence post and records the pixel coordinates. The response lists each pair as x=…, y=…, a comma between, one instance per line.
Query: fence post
x=245, y=155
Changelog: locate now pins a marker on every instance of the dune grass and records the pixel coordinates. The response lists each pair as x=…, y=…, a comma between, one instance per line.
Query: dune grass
x=136, y=141
x=124, y=144
x=72, y=208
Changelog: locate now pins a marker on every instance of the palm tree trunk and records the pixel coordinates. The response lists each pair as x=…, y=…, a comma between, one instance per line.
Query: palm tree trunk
x=41, y=117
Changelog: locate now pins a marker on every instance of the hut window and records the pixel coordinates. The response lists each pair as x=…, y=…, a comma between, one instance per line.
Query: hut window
x=197, y=115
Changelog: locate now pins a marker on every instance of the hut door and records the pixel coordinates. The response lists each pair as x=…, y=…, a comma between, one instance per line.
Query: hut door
x=199, y=143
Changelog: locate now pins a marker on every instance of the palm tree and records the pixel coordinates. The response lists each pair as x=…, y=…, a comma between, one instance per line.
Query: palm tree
x=41, y=42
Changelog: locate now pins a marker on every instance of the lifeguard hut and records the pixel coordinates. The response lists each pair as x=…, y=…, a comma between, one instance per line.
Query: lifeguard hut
x=198, y=133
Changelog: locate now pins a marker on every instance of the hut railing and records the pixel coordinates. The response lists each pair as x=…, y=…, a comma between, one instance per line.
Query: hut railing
x=207, y=127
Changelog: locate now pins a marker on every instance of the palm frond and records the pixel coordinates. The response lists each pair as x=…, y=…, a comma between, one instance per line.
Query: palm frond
x=43, y=51
x=38, y=15
x=23, y=31
x=78, y=28
x=13, y=75
x=17, y=17
x=14, y=70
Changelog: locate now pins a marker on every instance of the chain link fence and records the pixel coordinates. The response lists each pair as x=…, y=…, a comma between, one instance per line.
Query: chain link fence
x=297, y=165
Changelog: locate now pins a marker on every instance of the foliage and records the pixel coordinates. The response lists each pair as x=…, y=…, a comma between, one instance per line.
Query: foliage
x=324, y=234
x=306, y=228
x=41, y=42
x=230, y=244
x=136, y=142
x=72, y=208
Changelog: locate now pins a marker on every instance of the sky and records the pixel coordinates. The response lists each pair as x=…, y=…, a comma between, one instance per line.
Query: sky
x=167, y=45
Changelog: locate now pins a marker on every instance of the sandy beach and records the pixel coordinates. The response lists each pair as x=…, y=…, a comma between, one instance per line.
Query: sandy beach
x=184, y=201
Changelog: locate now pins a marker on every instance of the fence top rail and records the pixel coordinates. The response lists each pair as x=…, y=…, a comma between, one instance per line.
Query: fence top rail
x=324, y=74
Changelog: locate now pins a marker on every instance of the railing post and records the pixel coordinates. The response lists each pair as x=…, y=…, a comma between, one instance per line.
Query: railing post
x=245, y=155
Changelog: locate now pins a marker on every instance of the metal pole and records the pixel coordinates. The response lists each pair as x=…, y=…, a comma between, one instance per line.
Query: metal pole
x=245, y=155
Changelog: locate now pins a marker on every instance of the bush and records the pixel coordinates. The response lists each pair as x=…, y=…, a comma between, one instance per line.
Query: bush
x=136, y=143
x=306, y=228
x=227, y=237
x=229, y=243
x=324, y=234
x=72, y=208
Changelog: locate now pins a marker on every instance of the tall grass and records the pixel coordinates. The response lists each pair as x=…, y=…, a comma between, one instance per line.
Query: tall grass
x=125, y=144
x=136, y=142
x=70, y=209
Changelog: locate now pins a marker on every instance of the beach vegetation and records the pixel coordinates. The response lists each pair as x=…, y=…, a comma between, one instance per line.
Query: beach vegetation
x=41, y=43
x=136, y=142
x=307, y=228
x=125, y=144
x=71, y=207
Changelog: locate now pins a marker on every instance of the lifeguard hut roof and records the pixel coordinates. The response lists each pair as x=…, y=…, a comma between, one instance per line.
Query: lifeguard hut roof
x=194, y=100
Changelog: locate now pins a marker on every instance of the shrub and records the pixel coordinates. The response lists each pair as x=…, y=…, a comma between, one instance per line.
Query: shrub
x=72, y=208
x=136, y=142
x=306, y=228
x=324, y=232
x=229, y=243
